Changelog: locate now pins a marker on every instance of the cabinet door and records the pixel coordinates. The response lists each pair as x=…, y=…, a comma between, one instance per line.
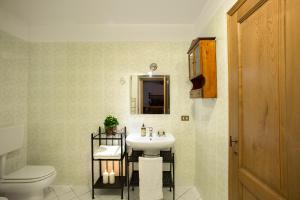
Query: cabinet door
x=192, y=64
x=197, y=61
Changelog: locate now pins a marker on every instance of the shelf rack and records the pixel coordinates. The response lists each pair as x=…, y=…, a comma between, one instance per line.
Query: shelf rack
x=168, y=176
x=104, y=139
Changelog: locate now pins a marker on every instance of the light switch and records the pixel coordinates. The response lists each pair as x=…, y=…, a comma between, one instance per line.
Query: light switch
x=185, y=118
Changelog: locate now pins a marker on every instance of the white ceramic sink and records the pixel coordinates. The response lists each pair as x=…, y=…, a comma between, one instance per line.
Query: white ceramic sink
x=137, y=142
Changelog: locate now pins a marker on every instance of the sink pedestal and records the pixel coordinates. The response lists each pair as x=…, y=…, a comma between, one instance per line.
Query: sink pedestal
x=151, y=153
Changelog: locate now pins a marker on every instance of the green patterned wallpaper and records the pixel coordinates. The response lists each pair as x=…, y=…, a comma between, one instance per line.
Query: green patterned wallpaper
x=14, y=62
x=74, y=85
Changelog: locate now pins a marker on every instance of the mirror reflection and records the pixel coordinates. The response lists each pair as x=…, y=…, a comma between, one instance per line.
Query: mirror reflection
x=150, y=94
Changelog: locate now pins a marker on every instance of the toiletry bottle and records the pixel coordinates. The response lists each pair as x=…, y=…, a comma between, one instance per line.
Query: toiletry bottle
x=143, y=131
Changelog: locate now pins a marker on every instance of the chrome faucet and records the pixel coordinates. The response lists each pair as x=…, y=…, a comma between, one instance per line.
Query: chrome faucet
x=150, y=131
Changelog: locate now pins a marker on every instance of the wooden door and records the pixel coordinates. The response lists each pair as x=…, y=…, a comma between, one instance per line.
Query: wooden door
x=258, y=159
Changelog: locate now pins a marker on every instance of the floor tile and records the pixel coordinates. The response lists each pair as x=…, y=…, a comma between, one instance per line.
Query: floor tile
x=84, y=193
x=190, y=194
x=67, y=196
x=61, y=189
x=50, y=194
x=80, y=190
x=86, y=196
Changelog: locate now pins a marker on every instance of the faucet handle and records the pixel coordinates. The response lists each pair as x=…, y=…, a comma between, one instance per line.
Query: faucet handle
x=150, y=131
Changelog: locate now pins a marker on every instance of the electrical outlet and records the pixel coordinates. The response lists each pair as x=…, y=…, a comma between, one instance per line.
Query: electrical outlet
x=185, y=118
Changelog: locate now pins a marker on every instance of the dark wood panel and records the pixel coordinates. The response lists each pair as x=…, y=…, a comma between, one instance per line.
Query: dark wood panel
x=257, y=188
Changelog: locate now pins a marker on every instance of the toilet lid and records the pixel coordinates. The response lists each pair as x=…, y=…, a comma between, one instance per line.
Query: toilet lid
x=30, y=172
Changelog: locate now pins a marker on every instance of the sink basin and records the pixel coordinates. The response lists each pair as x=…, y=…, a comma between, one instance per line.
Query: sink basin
x=137, y=142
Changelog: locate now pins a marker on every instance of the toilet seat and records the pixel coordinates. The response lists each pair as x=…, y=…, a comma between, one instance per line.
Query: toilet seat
x=29, y=174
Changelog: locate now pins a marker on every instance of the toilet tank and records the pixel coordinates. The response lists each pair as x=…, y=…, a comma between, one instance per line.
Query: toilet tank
x=11, y=139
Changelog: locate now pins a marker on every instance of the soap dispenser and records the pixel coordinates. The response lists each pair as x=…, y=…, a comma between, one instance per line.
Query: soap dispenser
x=143, y=131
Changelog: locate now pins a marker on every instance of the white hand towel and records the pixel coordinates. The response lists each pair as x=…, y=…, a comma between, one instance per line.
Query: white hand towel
x=150, y=174
x=108, y=152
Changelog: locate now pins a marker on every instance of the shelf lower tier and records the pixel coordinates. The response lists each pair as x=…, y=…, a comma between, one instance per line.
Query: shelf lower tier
x=119, y=181
x=134, y=181
x=167, y=179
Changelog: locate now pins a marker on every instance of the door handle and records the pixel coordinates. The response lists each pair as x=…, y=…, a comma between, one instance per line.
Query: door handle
x=231, y=141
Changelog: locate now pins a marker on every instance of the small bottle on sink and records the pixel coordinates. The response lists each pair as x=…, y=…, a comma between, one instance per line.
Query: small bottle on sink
x=143, y=131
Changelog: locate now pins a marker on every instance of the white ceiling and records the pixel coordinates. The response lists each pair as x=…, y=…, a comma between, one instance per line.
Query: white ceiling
x=49, y=12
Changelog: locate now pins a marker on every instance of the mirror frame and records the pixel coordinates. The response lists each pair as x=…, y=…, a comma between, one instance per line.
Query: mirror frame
x=136, y=106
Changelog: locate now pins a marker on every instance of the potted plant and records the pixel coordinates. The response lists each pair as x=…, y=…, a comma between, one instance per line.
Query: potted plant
x=111, y=124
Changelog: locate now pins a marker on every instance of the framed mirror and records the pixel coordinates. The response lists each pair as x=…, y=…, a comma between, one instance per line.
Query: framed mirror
x=150, y=94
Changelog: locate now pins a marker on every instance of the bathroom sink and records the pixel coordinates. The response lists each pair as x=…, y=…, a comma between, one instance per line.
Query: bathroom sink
x=137, y=142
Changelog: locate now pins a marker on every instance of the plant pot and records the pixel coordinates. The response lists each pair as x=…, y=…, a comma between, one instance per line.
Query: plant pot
x=111, y=130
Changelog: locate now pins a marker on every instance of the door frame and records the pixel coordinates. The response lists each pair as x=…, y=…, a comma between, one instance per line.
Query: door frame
x=233, y=104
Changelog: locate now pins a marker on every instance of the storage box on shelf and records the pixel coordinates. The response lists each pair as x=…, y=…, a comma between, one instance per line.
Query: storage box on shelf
x=202, y=68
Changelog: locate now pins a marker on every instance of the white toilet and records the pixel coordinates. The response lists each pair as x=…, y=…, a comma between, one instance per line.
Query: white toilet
x=28, y=182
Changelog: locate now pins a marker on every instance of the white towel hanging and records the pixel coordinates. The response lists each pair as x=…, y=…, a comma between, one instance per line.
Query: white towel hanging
x=150, y=175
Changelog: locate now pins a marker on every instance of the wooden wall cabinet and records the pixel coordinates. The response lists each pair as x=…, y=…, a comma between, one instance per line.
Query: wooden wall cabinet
x=202, y=68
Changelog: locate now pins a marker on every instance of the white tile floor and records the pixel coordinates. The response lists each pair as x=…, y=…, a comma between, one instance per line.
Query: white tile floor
x=67, y=192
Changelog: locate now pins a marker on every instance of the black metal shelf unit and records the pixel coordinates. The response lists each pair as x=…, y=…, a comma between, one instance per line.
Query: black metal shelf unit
x=103, y=139
x=168, y=176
